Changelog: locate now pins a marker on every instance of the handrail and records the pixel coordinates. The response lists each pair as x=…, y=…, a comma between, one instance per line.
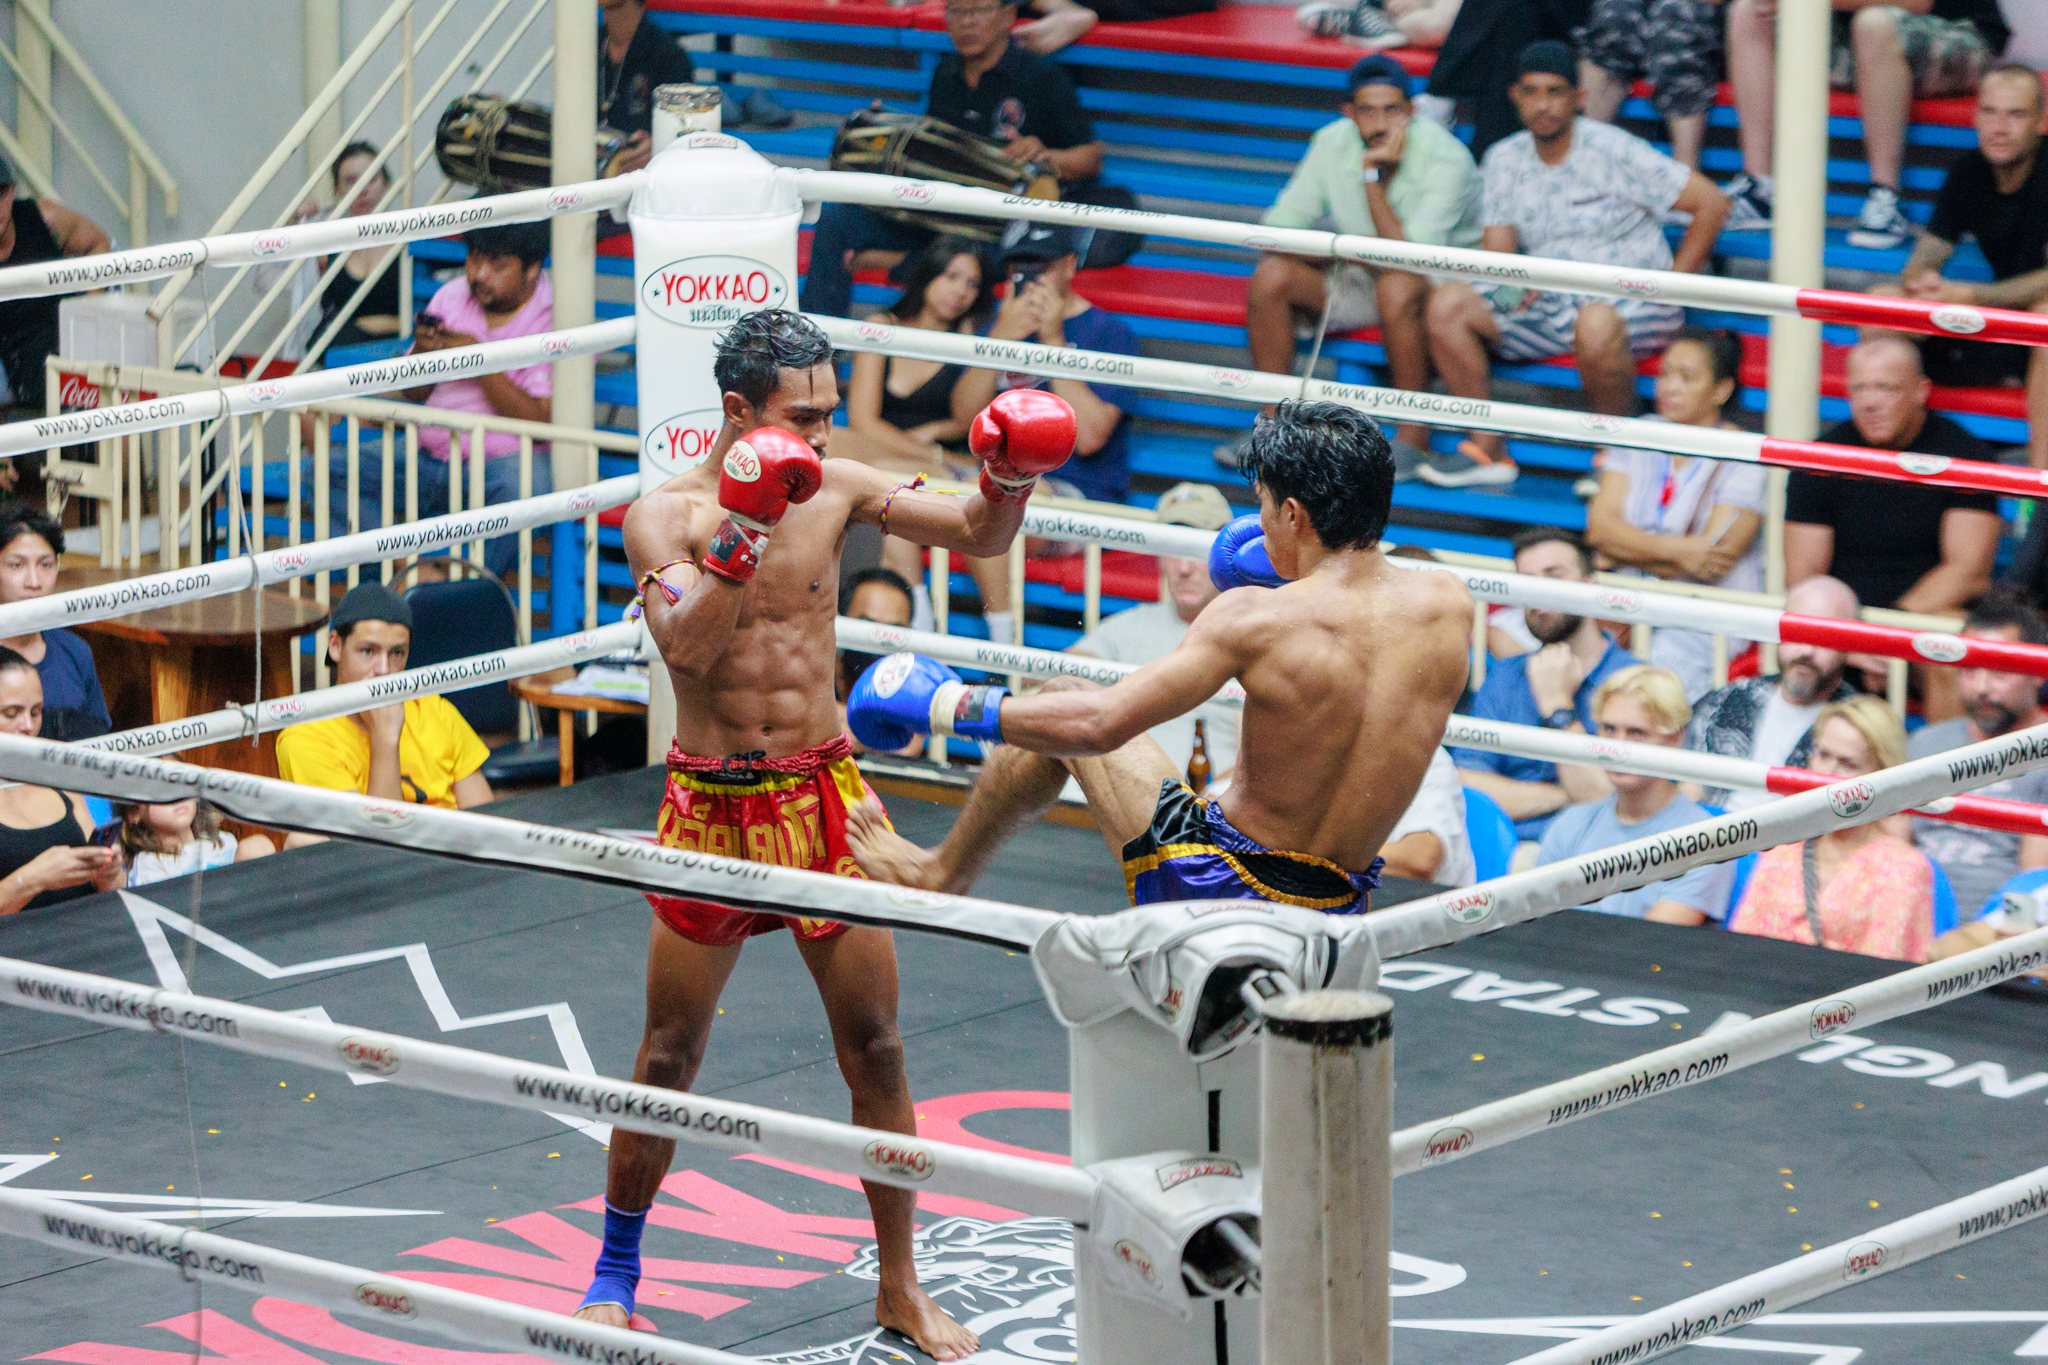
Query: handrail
x=60, y=46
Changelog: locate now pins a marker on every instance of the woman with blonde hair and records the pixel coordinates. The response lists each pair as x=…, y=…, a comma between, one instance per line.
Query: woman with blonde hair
x=1861, y=889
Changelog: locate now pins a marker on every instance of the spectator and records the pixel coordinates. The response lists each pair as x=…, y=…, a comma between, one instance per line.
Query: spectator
x=2018, y=907
x=503, y=293
x=47, y=853
x=1889, y=53
x=1770, y=720
x=1642, y=704
x=1552, y=687
x=1039, y=261
x=1997, y=192
x=71, y=704
x=1569, y=189
x=178, y=838
x=991, y=87
x=1476, y=65
x=1062, y=22
x=33, y=230
x=376, y=318
x=1858, y=889
x=1381, y=23
x=1418, y=185
x=634, y=58
x=1685, y=517
x=1154, y=630
x=1978, y=861
x=1674, y=44
x=419, y=751
x=882, y=596
x=1896, y=545
x=1429, y=841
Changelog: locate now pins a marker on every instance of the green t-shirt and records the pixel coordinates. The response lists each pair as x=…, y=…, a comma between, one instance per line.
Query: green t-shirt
x=1435, y=192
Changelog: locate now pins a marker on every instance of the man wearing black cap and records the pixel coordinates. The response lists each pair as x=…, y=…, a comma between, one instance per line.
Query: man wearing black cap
x=1039, y=261
x=421, y=750
x=1570, y=189
x=34, y=230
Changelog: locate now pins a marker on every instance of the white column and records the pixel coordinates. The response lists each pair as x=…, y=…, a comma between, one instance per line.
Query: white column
x=1326, y=1226
x=32, y=50
x=1799, y=155
x=320, y=33
x=573, y=236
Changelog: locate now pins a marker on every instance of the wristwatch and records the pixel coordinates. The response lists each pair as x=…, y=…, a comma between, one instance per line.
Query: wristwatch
x=1563, y=718
x=1370, y=176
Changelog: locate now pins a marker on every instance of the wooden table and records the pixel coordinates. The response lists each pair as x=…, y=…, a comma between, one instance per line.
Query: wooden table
x=170, y=663
x=540, y=690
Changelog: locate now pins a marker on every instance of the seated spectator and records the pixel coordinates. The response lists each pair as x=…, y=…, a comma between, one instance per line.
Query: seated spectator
x=1642, y=704
x=72, y=705
x=33, y=230
x=503, y=293
x=1155, y=629
x=1475, y=66
x=1565, y=188
x=1896, y=545
x=1381, y=23
x=177, y=838
x=2018, y=907
x=47, y=852
x=1997, y=193
x=880, y=595
x=990, y=86
x=376, y=317
x=1429, y=841
x=1061, y=22
x=1553, y=687
x=1039, y=261
x=1418, y=184
x=1673, y=44
x=634, y=58
x=1978, y=861
x=1858, y=889
x=420, y=750
x=1890, y=54
x=1769, y=720
x=1685, y=517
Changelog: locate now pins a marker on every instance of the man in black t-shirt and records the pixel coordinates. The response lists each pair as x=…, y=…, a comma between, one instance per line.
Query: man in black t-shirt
x=1998, y=194
x=633, y=57
x=991, y=87
x=1914, y=548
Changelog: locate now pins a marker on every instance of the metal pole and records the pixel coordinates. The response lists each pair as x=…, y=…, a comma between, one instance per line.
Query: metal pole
x=320, y=34
x=32, y=126
x=1799, y=152
x=1326, y=1229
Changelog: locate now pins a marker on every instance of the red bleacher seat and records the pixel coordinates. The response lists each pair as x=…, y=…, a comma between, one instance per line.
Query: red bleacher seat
x=1132, y=577
x=868, y=13
x=1247, y=33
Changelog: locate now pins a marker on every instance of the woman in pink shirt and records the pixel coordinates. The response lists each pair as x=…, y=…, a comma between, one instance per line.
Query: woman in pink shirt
x=1862, y=889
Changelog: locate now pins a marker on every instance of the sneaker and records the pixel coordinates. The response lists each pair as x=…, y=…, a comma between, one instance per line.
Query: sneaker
x=1231, y=454
x=1338, y=19
x=1408, y=461
x=759, y=109
x=1459, y=469
x=1586, y=487
x=1749, y=209
x=1881, y=226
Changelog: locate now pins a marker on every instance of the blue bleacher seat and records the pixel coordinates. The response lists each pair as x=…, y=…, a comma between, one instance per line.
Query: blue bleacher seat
x=1492, y=834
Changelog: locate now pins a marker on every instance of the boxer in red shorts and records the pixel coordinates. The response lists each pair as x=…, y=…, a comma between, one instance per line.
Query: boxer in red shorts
x=761, y=768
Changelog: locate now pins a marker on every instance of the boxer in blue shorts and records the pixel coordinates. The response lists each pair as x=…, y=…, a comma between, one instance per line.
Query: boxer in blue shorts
x=1350, y=669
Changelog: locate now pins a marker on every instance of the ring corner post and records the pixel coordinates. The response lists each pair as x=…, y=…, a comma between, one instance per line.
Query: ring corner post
x=1326, y=1226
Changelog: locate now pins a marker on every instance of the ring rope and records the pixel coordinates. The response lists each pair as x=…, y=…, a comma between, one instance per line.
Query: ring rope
x=382, y=1298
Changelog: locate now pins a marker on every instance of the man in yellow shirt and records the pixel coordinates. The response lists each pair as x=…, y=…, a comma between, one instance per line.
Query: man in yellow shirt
x=421, y=750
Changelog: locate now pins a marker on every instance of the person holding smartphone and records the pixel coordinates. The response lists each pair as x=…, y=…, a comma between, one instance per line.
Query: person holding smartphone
x=48, y=853
x=1038, y=265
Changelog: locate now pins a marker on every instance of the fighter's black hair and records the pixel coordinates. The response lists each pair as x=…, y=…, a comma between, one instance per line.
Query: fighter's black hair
x=753, y=352
x=1336, y=461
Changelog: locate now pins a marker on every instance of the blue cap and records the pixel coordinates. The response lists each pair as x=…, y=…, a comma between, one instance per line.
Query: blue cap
x=1378, y=69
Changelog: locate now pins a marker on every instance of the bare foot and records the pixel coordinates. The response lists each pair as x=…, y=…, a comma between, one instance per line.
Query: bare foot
x=1058, y=29
x=604, y=1315
x=886, y=855
x=915, y=1315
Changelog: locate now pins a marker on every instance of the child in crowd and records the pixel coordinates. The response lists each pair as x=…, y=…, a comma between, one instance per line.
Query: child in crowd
x=178, y=838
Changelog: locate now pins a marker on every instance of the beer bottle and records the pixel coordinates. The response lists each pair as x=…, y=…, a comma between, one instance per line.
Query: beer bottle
x=1198, y=760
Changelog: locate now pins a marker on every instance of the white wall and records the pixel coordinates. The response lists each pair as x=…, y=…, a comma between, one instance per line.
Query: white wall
x=214, y=86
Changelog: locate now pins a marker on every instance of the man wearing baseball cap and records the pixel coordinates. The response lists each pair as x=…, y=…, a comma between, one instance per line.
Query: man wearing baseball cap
x=420, y=750
x=33, y=230
x=1152, y=631
x=1038, y=261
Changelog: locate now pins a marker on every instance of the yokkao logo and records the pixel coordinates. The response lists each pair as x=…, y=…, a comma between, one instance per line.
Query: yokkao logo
x=889, y=674
x=1943, y=649
x=287, y=561
x=1196, y=1168
x=389, y=1300
x=384, y=815
x=1830, y=1016
x=582, y=502
x=1636, y=285
x=910, y=898
x=580, y=640
x=285, y=707
x=1614, y=599
x=900, y=1159
x=918, y=192
x=708, y=142
x=1469, y=907
x=557, y=345
x=269, y=243
x=1926, y=466
x=561, y=201
x=1956, y=318
x=1604, y=748
x=1864, y=1260
x=1262, y=243
x=681, y=442
x=365, y=1055
x=742, y=463
x=712, y=291
x=1447, y=1144
x=263, y=391
x=1851, y=799
x=1600, y=421
x=1134, y=1256
x=1229, y=379
x=874, y=331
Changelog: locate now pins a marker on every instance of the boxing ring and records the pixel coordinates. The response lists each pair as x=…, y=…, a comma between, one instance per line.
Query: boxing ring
x=1223, y=999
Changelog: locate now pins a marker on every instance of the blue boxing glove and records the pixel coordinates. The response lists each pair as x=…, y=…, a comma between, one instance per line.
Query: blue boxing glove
x=906, y=695
x=1238, y=558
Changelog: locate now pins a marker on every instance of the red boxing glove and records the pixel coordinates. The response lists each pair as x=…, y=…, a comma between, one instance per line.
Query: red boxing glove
x=1024, y=433
x=765, y=471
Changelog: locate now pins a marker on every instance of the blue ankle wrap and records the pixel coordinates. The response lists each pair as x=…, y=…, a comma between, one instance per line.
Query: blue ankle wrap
x=618, y=1263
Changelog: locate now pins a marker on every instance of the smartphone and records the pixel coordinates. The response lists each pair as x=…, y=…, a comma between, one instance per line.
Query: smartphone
x=1024, y=274
x=108, y=835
